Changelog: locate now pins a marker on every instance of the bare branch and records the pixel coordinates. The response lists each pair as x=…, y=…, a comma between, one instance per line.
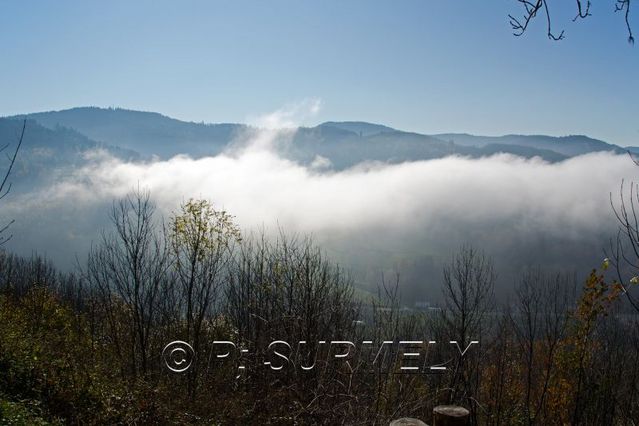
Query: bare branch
x=581, y=12
x=4, y=189
x=520, y=25
x=624, y=5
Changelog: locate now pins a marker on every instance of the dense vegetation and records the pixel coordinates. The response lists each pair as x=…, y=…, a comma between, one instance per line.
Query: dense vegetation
x=87, y=347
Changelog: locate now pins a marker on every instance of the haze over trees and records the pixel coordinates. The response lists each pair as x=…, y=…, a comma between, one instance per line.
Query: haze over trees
x=74, y=162
x=158, y=271
x=88, y=347
x=545, y=345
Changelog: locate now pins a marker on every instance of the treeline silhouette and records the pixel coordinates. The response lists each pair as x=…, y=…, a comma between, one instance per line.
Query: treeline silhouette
x=87, y=347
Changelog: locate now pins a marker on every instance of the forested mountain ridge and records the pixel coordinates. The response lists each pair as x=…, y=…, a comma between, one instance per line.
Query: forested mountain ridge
x=46, y=150
x=344, y=144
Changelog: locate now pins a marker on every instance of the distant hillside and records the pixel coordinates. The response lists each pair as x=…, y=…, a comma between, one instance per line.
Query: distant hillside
x=148, y=133
x=567, y=145
x=45, y=150
x=343, y=144
x=358, y=127
x=346, y=148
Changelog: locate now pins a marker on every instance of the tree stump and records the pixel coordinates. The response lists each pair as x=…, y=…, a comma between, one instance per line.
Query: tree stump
x=407, y=421
x=450, y=415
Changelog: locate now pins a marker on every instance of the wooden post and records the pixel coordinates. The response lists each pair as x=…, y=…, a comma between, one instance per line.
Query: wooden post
x=407, y=421
x=450, y=415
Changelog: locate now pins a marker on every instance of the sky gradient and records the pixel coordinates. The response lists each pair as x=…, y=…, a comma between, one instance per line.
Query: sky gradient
x=417, y=65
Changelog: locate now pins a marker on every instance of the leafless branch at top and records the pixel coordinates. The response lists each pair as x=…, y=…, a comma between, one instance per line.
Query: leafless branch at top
x=519, y=26
x=531, y=7
x=624, y=6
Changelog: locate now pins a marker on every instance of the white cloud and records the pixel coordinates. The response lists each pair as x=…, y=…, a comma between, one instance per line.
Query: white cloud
x=520, y=209
x=288, y=117
x=260, y=187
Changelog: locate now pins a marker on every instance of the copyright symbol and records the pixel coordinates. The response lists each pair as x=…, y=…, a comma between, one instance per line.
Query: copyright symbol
x=178, y=356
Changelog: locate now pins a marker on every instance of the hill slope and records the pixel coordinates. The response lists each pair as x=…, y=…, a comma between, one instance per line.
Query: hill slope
x=148, y=133
x=343, y=144
x=45, y=151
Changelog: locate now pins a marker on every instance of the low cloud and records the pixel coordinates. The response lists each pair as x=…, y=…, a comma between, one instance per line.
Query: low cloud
x=260, y=187
x=522, y=211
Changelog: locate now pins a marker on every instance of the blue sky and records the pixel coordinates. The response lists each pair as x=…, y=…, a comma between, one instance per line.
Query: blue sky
x=427, y=66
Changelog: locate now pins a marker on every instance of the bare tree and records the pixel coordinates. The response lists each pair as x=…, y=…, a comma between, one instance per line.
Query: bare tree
x=129, y=269
x=5, y=186
x=469, y=281
x=539, y=323
x=623, y=251
x=286, y=289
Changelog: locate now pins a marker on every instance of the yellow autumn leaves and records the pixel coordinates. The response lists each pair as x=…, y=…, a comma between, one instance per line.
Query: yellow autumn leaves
x=199, y=225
